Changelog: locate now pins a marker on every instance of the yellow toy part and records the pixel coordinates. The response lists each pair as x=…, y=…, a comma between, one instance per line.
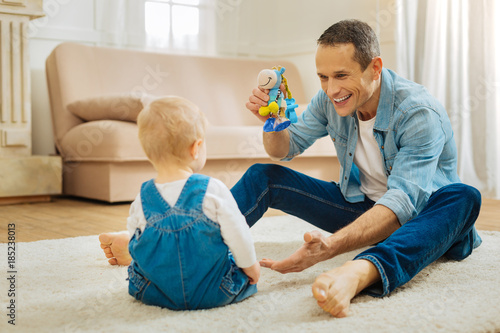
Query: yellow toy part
x=273, y=108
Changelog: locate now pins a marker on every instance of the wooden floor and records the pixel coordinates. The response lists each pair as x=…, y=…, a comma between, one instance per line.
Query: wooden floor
x=71, y=217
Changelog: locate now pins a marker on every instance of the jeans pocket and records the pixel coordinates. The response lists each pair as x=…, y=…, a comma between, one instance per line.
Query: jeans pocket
x=234, y=281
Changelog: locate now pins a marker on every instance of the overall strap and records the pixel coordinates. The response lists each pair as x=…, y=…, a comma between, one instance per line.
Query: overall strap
x=193, y=192
x=152, y=201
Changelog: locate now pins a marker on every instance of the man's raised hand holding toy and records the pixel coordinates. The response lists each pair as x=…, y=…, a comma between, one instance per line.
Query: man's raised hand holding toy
x=279, y=111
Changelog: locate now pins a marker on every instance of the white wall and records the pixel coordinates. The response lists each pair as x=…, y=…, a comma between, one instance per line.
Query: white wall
x=65, y=20
x=277, y=29
x=285, y=29
x=80, y=21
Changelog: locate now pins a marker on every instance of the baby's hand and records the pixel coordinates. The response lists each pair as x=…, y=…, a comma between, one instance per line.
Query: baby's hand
x=253, y=272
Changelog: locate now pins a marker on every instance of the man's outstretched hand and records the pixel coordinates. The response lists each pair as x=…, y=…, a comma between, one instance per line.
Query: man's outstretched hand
x=314, y=250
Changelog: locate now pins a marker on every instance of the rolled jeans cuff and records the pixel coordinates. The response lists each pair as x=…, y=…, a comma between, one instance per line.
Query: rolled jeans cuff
x=380, y=288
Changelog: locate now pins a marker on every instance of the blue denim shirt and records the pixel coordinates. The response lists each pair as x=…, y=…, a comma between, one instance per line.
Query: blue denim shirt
x=414, y=136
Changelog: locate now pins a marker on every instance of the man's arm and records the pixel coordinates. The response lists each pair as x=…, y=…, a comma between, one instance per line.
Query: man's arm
x=370, y=228
x=373, y=226
x=277, y=144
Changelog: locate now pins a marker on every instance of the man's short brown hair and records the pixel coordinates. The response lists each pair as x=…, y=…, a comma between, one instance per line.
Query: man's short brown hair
x=356, y=32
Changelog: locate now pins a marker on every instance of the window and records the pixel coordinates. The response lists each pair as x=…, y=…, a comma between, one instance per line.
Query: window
x=172, y=23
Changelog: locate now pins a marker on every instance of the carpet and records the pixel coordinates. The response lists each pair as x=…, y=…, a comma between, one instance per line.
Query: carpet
x=68, y=286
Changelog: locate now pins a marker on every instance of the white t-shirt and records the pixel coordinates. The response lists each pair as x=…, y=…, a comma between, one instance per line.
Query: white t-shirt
x=219, y=206
x=368, y=159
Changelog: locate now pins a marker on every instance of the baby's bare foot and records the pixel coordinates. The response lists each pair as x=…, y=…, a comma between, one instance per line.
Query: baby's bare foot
x=115, y=247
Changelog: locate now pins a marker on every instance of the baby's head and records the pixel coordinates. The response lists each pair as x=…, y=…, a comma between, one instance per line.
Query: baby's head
x=168, y=127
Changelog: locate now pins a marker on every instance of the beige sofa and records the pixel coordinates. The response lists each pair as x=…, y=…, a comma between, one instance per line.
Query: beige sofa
x=102, y=156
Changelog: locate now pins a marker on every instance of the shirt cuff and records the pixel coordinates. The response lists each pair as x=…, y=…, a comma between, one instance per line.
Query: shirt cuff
x=399, y=202
x=246, y=262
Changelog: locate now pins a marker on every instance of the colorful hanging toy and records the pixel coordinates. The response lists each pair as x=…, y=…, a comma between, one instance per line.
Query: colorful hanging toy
x=281, y=111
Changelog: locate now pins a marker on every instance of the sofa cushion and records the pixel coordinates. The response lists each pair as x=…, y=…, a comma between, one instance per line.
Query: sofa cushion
x=103, y=140
x=230, y=142
x=109, y=107
x=245, y=142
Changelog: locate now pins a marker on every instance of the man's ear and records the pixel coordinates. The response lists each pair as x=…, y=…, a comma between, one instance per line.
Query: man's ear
x=195, y=148
x=377, y=67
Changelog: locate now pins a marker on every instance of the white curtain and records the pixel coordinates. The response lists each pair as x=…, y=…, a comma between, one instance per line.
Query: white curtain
x=453, y=48
x=122, y=23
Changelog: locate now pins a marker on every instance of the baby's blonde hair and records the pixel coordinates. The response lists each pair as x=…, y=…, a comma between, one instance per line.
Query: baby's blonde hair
x=168, y=127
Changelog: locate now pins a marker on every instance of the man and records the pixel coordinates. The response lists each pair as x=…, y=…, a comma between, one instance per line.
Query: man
x=398, y=188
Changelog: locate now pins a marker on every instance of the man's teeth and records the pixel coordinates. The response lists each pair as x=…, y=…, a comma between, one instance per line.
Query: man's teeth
x=342, y=99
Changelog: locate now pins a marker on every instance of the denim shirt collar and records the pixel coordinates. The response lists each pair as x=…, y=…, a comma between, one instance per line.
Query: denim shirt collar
x=385, y=108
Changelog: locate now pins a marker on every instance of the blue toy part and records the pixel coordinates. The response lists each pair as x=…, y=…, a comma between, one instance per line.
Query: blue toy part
x=276, y=124
x=269, y=125
x=290, y=110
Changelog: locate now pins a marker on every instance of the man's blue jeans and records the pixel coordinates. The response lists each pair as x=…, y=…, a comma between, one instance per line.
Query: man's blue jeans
x=444, y=227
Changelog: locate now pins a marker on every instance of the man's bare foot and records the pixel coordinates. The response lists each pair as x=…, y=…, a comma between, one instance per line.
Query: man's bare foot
x=335, y=289
x=115, y=247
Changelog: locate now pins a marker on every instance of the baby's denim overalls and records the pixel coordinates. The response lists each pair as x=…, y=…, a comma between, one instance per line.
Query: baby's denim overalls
x=180, y=260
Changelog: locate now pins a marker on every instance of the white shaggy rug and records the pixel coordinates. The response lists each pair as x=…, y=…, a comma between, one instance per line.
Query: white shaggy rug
x=68, y=286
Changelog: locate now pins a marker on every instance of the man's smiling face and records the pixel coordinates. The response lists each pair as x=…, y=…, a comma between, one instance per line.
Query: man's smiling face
x=342, y=79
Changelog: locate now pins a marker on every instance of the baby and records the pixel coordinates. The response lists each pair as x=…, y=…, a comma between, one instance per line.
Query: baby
x=190, y=246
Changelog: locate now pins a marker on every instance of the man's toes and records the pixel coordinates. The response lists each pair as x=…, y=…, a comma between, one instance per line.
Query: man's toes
x=319, y=293
x=339, y=312
x=338, y=309
x=342, y=314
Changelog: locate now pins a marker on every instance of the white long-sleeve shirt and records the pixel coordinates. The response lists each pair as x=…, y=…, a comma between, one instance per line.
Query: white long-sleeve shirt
x=219, y=206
